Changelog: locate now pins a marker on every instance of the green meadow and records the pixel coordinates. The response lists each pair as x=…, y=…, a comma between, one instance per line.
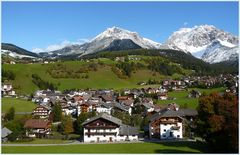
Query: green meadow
x=102, y=78
x=164, y=147
x=20, y=105
x=182, y=97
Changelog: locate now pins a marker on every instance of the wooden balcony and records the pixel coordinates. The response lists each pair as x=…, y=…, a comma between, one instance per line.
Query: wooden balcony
x=100, y=127
x=101, y=133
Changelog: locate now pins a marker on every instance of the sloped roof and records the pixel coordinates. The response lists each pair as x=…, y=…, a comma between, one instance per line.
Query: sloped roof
x=121, y=107
x=128, y=130
x=104, y=116
x=174, y=113
x=36, y=123
x=107, y=97
x=5, y=132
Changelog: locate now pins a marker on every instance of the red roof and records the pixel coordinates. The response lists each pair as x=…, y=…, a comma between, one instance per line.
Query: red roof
x=78, y=98
x=37, y=124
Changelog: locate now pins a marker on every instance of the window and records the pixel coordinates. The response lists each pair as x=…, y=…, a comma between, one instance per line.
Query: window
x=164, y=135
x=178, y=136
x=104, y=135
x=164, y=130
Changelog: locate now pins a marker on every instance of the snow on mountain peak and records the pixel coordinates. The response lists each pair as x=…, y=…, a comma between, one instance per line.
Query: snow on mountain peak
x=114, y=33
x=198, y=39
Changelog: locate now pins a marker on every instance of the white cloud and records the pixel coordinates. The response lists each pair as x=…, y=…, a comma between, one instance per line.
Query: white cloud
x=185, y=23
x=63, y=44
x=37, y=50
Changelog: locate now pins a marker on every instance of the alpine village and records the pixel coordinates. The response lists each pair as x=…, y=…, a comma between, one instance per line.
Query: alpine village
x=122, y=93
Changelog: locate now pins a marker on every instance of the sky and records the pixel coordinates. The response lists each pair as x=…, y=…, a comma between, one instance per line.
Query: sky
x=46, y=26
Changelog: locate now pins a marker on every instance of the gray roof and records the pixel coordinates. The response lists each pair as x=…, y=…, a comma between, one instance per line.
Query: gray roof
x=108, y=106
x=121, y=107
x=104, y=116
x=128, y=130
x=5, y=132
x=174, y=113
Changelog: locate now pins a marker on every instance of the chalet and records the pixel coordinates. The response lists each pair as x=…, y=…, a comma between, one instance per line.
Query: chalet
x=106, y=128
x=104, y=108
x=168, y=122
x=152, y=90
x=5, y=133
x=162, y=96
x=129, y=102
x=69, y=110
x=107, y=98
x=121, y=107
x=83, y=108
x=41, y=112
x=37, y=128
x=147, y=100
x=78, y=99
x=7, y=90
x=194, y=94
x=12, y=62
x=122, y=98
x=166, y=125
x=148, y=107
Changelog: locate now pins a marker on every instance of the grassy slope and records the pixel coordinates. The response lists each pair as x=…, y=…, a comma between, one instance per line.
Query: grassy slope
x=103, y=78
x=166, y=147
x=19, y=105
x=181, y=97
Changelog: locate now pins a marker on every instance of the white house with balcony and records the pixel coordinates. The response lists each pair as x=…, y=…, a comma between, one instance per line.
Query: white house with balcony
x=106, y=128
x=167, y=124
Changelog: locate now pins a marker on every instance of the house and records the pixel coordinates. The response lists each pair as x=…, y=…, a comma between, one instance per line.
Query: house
x=37, y=128
x=107, y=98
x=5, y=133
x=69, y=110
x=162, y=96
x=147, y=100
x=166, y=125
x=168, y=122
x=128, y=102
x=12, y=62
x=103, y=108
x=41, y=112
x=106, y=128
x=194, y=94
x=7, y=89
x=121, y=107
x=148, y=107
x=83, y=108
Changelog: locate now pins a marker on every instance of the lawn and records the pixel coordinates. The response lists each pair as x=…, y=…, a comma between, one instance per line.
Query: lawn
x=20, y=105
x=42, y=141
x=182, y=99
x=165, y=147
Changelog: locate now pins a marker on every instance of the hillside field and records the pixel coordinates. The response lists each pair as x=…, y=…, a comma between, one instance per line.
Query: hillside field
x=20, y=105
x=102, y=78
x=182, y=97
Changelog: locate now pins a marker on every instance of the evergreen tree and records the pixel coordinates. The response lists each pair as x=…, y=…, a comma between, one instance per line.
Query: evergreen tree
x=57, y=112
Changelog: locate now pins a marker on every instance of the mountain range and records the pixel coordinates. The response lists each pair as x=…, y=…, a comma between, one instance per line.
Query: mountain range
x=206, y=42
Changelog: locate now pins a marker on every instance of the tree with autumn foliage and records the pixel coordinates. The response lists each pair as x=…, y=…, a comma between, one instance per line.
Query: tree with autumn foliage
x=67, y=125
x=218, y=121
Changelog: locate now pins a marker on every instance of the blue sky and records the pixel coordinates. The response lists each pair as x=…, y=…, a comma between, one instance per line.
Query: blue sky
x=50, y=25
